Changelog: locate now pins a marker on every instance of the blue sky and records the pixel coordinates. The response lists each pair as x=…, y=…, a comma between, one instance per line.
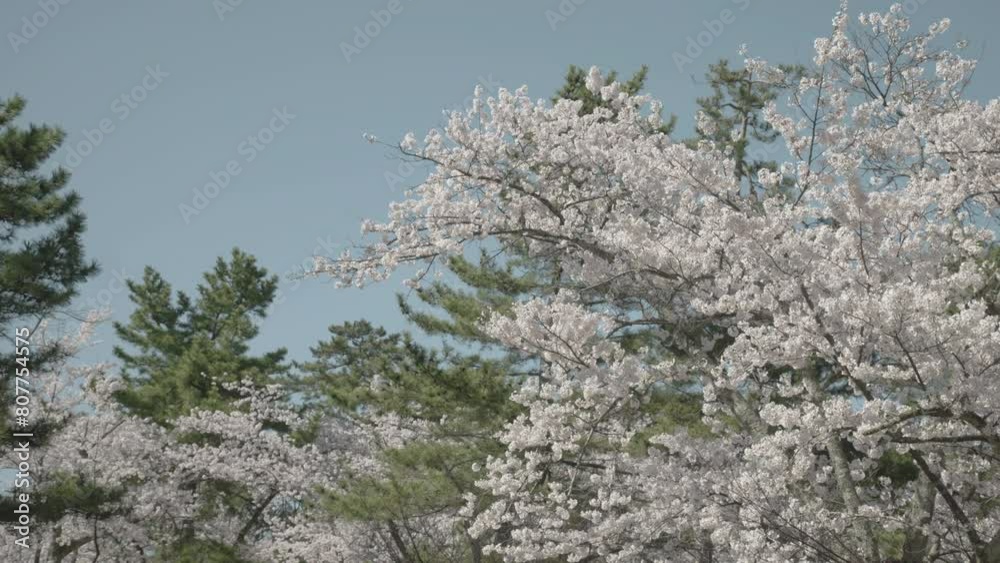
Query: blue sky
x=276, y=96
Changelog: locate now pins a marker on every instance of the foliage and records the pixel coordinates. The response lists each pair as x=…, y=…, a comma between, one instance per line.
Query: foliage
x=703, y=355
x=42, y=262
x=118, y=487
x=833, y=315
x=732, y=120
x=431, y=417
x=184, y=347
x=575, y=88
x=39, y=272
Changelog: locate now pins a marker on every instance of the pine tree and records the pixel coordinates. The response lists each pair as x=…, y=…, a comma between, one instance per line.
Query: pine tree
x=365, y=366
x=42, y=262
x=454, y=309
x=182, y=348
x=39, y=273
x=361, y=372
x=732, y=118
x=575, y=88
x=42, y=266
x=181, y=352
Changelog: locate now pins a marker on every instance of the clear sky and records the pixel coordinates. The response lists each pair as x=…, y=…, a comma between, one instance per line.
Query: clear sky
x=200, y=77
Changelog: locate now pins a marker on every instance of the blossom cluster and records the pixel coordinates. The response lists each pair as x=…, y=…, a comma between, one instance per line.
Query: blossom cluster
x=842, y=333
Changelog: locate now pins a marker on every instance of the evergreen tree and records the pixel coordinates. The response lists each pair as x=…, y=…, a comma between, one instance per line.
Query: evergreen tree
x=362, y=372
x=365, y=367
x=454, y=309
x=39, y=273
x=42, y=266
x=182, y=348
x=575, y=88
x=732, y=118
x=42, y=262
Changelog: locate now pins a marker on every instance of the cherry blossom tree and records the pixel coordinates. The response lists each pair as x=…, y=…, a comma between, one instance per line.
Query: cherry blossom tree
x=798, y=366
x=839, y=321
x=111, y=486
